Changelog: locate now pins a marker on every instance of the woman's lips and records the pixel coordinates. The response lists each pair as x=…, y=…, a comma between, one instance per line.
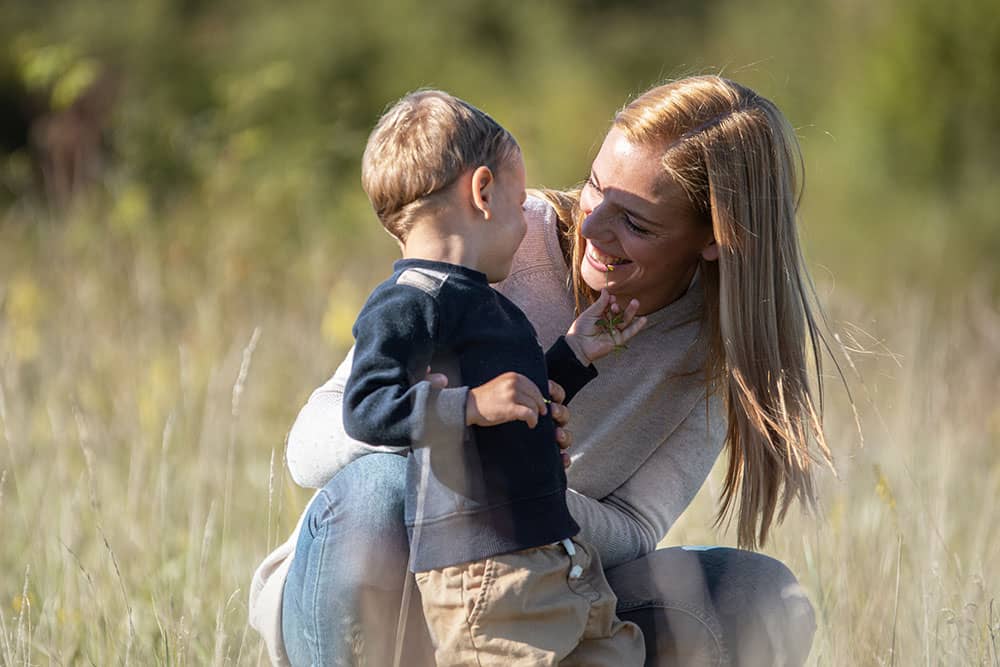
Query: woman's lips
x=602, y=261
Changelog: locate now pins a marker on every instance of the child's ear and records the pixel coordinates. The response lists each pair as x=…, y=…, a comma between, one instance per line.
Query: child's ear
x=482, y=190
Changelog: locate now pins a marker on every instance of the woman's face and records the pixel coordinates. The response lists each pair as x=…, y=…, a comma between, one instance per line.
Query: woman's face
x=642, y=239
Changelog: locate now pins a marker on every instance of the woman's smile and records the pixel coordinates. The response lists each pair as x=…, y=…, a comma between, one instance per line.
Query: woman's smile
x=603, y=261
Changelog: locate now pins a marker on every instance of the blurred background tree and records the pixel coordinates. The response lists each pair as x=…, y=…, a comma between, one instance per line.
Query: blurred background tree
x=217, y=113
x=180, y=195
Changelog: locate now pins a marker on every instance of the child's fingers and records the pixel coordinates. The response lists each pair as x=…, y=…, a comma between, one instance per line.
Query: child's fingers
x=630, y=310
x=526, y=414
x=597, y=308
x=564, y=438
x=527, y=393
x=632, y=329
x=529, y=396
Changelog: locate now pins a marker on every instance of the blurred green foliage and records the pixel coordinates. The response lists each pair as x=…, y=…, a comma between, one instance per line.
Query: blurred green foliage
x=180, y=179
x=242, y=124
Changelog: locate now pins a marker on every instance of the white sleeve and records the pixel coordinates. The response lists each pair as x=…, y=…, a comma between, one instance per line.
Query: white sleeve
x=632, y=520
x=318, y=446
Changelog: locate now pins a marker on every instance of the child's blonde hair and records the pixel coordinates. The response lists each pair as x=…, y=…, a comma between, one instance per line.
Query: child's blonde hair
x=420, y=146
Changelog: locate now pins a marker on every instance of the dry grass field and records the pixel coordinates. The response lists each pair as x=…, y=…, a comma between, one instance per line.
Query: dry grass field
x=147, y=381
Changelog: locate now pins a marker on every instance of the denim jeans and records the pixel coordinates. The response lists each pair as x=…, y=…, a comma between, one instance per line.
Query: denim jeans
x=695, y=605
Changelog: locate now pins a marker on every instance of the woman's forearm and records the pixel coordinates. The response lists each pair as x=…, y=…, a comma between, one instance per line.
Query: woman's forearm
x=632, y=520
x=617, y=536
x=318, y=446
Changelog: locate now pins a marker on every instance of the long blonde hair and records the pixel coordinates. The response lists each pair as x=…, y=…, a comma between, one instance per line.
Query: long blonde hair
x=736, y=157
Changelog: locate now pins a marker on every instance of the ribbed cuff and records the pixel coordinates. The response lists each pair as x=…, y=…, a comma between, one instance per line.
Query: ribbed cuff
x=445, y=417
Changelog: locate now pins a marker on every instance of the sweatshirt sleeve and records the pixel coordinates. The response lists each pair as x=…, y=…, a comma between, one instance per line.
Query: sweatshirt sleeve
x=631, y=521
x=565, y=368
x=387, y=401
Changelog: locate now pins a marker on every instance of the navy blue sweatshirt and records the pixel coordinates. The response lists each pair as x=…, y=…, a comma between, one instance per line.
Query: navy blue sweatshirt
x=472, y=492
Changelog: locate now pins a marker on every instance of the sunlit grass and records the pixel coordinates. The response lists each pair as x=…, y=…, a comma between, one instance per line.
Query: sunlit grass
x=147, y=381
x=902, y=562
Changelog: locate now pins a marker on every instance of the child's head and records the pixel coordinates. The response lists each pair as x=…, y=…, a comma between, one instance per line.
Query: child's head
x=422, y=145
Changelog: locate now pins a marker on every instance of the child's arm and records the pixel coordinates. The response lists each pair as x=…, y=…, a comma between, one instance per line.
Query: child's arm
x=387, y=399
x=601, y=328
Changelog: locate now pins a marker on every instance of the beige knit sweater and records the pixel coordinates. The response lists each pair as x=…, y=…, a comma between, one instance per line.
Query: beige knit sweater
x=644, y=435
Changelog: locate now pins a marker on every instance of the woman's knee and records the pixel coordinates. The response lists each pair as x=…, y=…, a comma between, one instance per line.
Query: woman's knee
x=366, y=494
x=766, y=616
x=782, y=620
x=667, y=595
x=746, y=607
x=358, y=517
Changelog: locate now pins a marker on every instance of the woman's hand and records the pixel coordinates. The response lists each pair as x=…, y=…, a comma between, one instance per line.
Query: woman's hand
x=437, y=380
x=603, y=327
x=560, y=415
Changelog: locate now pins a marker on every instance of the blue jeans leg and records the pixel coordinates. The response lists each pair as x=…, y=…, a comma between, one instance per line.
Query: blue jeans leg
x=715, y=606
x=343, y=592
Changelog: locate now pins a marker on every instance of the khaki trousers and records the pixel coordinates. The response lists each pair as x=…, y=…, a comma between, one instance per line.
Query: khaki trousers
x=541, y=606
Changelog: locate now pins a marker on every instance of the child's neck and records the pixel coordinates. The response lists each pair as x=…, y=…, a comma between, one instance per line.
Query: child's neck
x=442, y=242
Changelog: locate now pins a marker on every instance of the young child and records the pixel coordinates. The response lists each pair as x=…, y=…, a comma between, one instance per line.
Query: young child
x=501, y=580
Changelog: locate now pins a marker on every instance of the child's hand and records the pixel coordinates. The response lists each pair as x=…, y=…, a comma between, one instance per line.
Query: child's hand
x=505, y=398
x=603, y=327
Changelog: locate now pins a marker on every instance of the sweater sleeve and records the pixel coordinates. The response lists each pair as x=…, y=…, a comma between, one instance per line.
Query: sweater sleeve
x=318, y=446
x=631, y=521
x=386, y=401
x=565, y=369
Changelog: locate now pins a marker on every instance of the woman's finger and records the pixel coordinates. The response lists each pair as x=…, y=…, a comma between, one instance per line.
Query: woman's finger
x=560, y=413
x=556, y=392
x=566, y=460
x=437, y=380
x=564, y=438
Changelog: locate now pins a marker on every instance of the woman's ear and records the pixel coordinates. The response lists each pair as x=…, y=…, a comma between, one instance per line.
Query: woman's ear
x=710, y=253
x=482, y=190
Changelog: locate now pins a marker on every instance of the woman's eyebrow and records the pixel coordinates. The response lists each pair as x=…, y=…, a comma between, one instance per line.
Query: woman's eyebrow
x=631, y=211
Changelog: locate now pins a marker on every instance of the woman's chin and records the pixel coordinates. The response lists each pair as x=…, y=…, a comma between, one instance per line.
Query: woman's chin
x=596, y=280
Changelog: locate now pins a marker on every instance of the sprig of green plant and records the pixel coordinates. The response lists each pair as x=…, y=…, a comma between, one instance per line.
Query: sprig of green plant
x=609, y=323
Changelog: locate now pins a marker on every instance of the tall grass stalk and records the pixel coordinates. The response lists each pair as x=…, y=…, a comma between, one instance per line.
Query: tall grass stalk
x=143, y=416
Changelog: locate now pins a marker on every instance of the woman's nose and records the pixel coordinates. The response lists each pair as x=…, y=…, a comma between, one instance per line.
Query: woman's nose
x=594, y=225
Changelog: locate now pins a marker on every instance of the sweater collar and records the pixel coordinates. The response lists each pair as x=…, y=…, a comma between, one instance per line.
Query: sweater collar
x=417, y=263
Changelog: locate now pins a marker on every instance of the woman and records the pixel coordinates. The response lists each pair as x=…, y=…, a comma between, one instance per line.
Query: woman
x=689, y=208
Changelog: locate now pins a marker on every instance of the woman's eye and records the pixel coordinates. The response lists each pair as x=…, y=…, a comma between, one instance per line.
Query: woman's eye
x=591, y=184
x=634, y=227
